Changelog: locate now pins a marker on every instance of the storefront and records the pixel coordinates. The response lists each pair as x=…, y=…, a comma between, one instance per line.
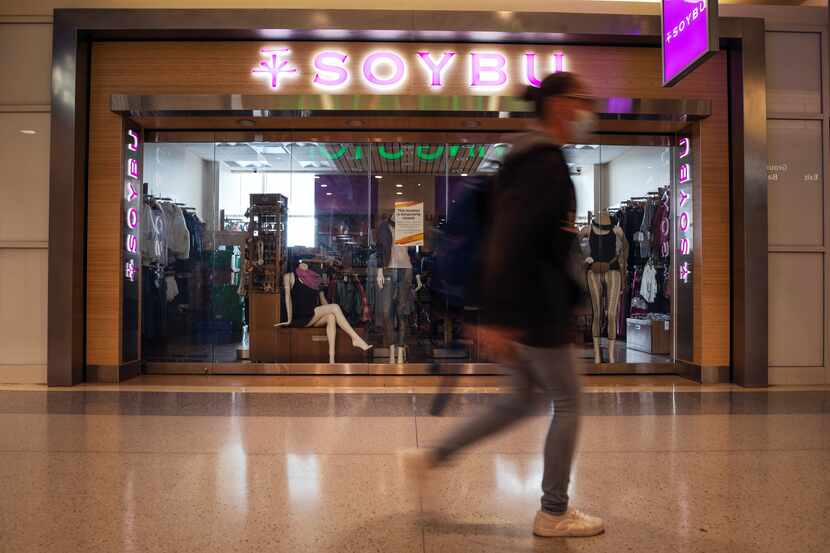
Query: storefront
x=232, y=177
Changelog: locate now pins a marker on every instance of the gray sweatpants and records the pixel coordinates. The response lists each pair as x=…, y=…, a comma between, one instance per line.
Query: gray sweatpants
x=544, y=376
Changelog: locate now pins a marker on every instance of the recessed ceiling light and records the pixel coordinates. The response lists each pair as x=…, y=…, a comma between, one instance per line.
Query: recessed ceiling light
x=378, y=176
x=398, y=186
x=28, y=131
x=399, y=193
x=324, y=186
x=463, y=174
x=419, y=184
x=328, y=193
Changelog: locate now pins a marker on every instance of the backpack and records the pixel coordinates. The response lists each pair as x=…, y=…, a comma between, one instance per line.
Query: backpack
x=460, y=244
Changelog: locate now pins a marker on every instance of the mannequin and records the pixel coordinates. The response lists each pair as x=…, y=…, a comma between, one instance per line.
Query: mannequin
x=605, y=264
x=306, y=306
x=394, y=281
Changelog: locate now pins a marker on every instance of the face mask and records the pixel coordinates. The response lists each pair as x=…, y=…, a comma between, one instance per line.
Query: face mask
x=583, y=125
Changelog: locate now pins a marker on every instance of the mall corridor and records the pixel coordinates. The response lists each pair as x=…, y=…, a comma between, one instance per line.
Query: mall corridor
x=210, y=469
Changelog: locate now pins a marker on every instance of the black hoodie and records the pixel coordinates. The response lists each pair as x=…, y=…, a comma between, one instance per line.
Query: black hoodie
x=527, y=285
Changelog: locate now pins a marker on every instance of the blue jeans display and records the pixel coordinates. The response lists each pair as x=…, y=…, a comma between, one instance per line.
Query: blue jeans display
x=395, y=305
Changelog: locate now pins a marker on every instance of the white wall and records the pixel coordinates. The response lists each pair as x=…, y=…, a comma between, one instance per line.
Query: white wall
x=25, y=58
x=584, y=184
x=174, y=171
x=638, y=171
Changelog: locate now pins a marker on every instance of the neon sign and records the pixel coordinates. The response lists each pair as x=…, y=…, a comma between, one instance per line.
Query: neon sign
x=684, y=211
x=690, y=35
x=386, y=69
x=132, y=183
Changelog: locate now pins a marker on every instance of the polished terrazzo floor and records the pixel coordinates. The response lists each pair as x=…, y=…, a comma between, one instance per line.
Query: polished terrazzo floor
x=218, y=470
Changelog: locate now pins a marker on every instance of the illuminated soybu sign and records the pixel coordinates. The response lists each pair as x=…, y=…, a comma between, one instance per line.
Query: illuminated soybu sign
x=132, y=184
x=388, y=69
x=690, y=35
x=684, y=211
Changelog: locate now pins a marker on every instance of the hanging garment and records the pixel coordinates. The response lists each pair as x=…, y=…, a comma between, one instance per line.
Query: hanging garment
x=661, y=230
x=365, y=313
x=648, y=288
x=172, y=288
x=178, y=237
x=644, y=236
x=153, y=236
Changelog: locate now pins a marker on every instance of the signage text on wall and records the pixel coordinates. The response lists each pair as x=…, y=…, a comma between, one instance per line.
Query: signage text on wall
x=132, y=188
x=689, y=36
x=131, y=222
x=389, y=69
x=409, y=223
x=685, y=231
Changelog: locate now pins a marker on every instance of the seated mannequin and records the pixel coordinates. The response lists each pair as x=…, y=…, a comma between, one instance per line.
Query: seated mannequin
x=306, y=306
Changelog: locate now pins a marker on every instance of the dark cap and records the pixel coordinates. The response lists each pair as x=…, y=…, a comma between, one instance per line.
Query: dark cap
x=555, y=84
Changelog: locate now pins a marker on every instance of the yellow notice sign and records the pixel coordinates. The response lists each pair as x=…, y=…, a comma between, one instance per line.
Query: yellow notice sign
x=409, y=223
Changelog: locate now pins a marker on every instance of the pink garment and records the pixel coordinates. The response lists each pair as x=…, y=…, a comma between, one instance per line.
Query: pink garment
x=309, y=278
x=364, y=311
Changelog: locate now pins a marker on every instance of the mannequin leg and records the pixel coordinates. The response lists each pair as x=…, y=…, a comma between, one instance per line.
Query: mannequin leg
x=331, y=334
x=613, y=281
x=595, y=287
x=322, y=312
x=403, y=305
x=385, y=308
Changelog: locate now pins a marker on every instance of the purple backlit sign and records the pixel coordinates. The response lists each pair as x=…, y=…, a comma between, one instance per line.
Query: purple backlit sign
x=690, y=35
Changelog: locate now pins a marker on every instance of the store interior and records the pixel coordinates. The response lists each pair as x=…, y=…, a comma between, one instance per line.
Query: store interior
x=284, y=252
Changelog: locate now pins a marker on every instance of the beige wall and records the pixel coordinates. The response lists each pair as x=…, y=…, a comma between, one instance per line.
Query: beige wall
x=797, y=108
x=25, y=58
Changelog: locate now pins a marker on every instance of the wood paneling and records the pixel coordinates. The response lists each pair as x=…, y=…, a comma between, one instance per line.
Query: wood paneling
x=103, y=327
x=225, y=68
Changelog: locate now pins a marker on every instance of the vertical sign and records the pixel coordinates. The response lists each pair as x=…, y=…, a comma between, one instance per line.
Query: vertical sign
x=409, y=223
x=684, y=243
x=131, y=259
x=690, y=35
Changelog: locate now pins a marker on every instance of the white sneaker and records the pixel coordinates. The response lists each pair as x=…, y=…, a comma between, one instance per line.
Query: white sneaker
x=573, y=524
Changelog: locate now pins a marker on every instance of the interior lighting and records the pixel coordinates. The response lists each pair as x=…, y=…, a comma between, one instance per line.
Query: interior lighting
x=378, y=176
x=28, y=131
x=398, y=186
x=399, y=193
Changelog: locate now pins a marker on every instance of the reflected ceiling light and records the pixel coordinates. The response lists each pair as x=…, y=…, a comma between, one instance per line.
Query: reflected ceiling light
x=324, y=186
x=378, y=176
x=328, y=193
x=398, y=186
x=28, y=131
x=399, y=193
